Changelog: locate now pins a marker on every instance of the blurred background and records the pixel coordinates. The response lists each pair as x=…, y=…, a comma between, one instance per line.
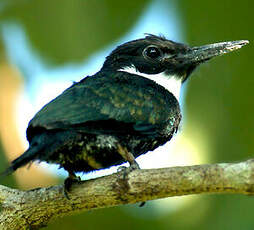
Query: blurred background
x=45, y=45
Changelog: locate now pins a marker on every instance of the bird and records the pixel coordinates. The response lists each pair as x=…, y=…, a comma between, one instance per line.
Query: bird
x=129, y=107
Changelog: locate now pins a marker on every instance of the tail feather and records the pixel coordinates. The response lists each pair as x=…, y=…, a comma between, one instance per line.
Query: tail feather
x=28, y=156
x=41, y=147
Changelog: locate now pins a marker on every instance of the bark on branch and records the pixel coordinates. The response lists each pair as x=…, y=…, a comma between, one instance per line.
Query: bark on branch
x=36, y=208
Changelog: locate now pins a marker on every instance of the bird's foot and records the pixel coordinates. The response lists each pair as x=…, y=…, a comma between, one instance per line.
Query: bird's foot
x=68, y=182
x=128, y=156
x=126, y=170
x=134, y=165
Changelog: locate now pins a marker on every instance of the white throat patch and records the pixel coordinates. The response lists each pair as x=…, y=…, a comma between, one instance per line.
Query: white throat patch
x=170, y=83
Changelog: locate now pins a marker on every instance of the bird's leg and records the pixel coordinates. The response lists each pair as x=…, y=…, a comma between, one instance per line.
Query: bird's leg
x=128, y=157
x=133, y=163
x=72, y=178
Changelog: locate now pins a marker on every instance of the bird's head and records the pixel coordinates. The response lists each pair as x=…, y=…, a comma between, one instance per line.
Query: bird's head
x=159, y=59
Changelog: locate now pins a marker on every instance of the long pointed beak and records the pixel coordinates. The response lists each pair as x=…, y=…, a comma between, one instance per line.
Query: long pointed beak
x=202, y=53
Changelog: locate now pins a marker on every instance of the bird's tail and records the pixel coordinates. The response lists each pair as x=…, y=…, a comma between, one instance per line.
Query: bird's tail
x=28, y=156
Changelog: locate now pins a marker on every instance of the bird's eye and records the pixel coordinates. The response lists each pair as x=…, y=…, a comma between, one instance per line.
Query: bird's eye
x=152, y=52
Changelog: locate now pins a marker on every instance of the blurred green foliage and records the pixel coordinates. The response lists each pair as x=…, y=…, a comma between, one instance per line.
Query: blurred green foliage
x=225, y=83
x=68, y=31
x=219, y=99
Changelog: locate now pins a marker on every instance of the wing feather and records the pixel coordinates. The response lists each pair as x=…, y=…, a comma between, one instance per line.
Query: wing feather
x=123, y=99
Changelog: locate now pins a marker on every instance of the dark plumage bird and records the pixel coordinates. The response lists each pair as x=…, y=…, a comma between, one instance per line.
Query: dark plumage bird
x=128, y=108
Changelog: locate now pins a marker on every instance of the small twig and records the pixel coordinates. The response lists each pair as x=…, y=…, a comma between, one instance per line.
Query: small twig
x=36, y=208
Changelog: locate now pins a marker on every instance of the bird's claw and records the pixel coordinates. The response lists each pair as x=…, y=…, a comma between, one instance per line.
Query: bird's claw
x=69, y=181
x=134, y=166
x=126, y=170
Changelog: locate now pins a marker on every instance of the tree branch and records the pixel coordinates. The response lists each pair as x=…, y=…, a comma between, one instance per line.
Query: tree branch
x=36, y=208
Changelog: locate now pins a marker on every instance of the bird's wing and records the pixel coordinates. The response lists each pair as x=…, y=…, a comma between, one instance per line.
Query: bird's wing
x=103, y=103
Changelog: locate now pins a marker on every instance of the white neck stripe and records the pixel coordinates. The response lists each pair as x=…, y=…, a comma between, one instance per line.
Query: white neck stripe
x=169, y=82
